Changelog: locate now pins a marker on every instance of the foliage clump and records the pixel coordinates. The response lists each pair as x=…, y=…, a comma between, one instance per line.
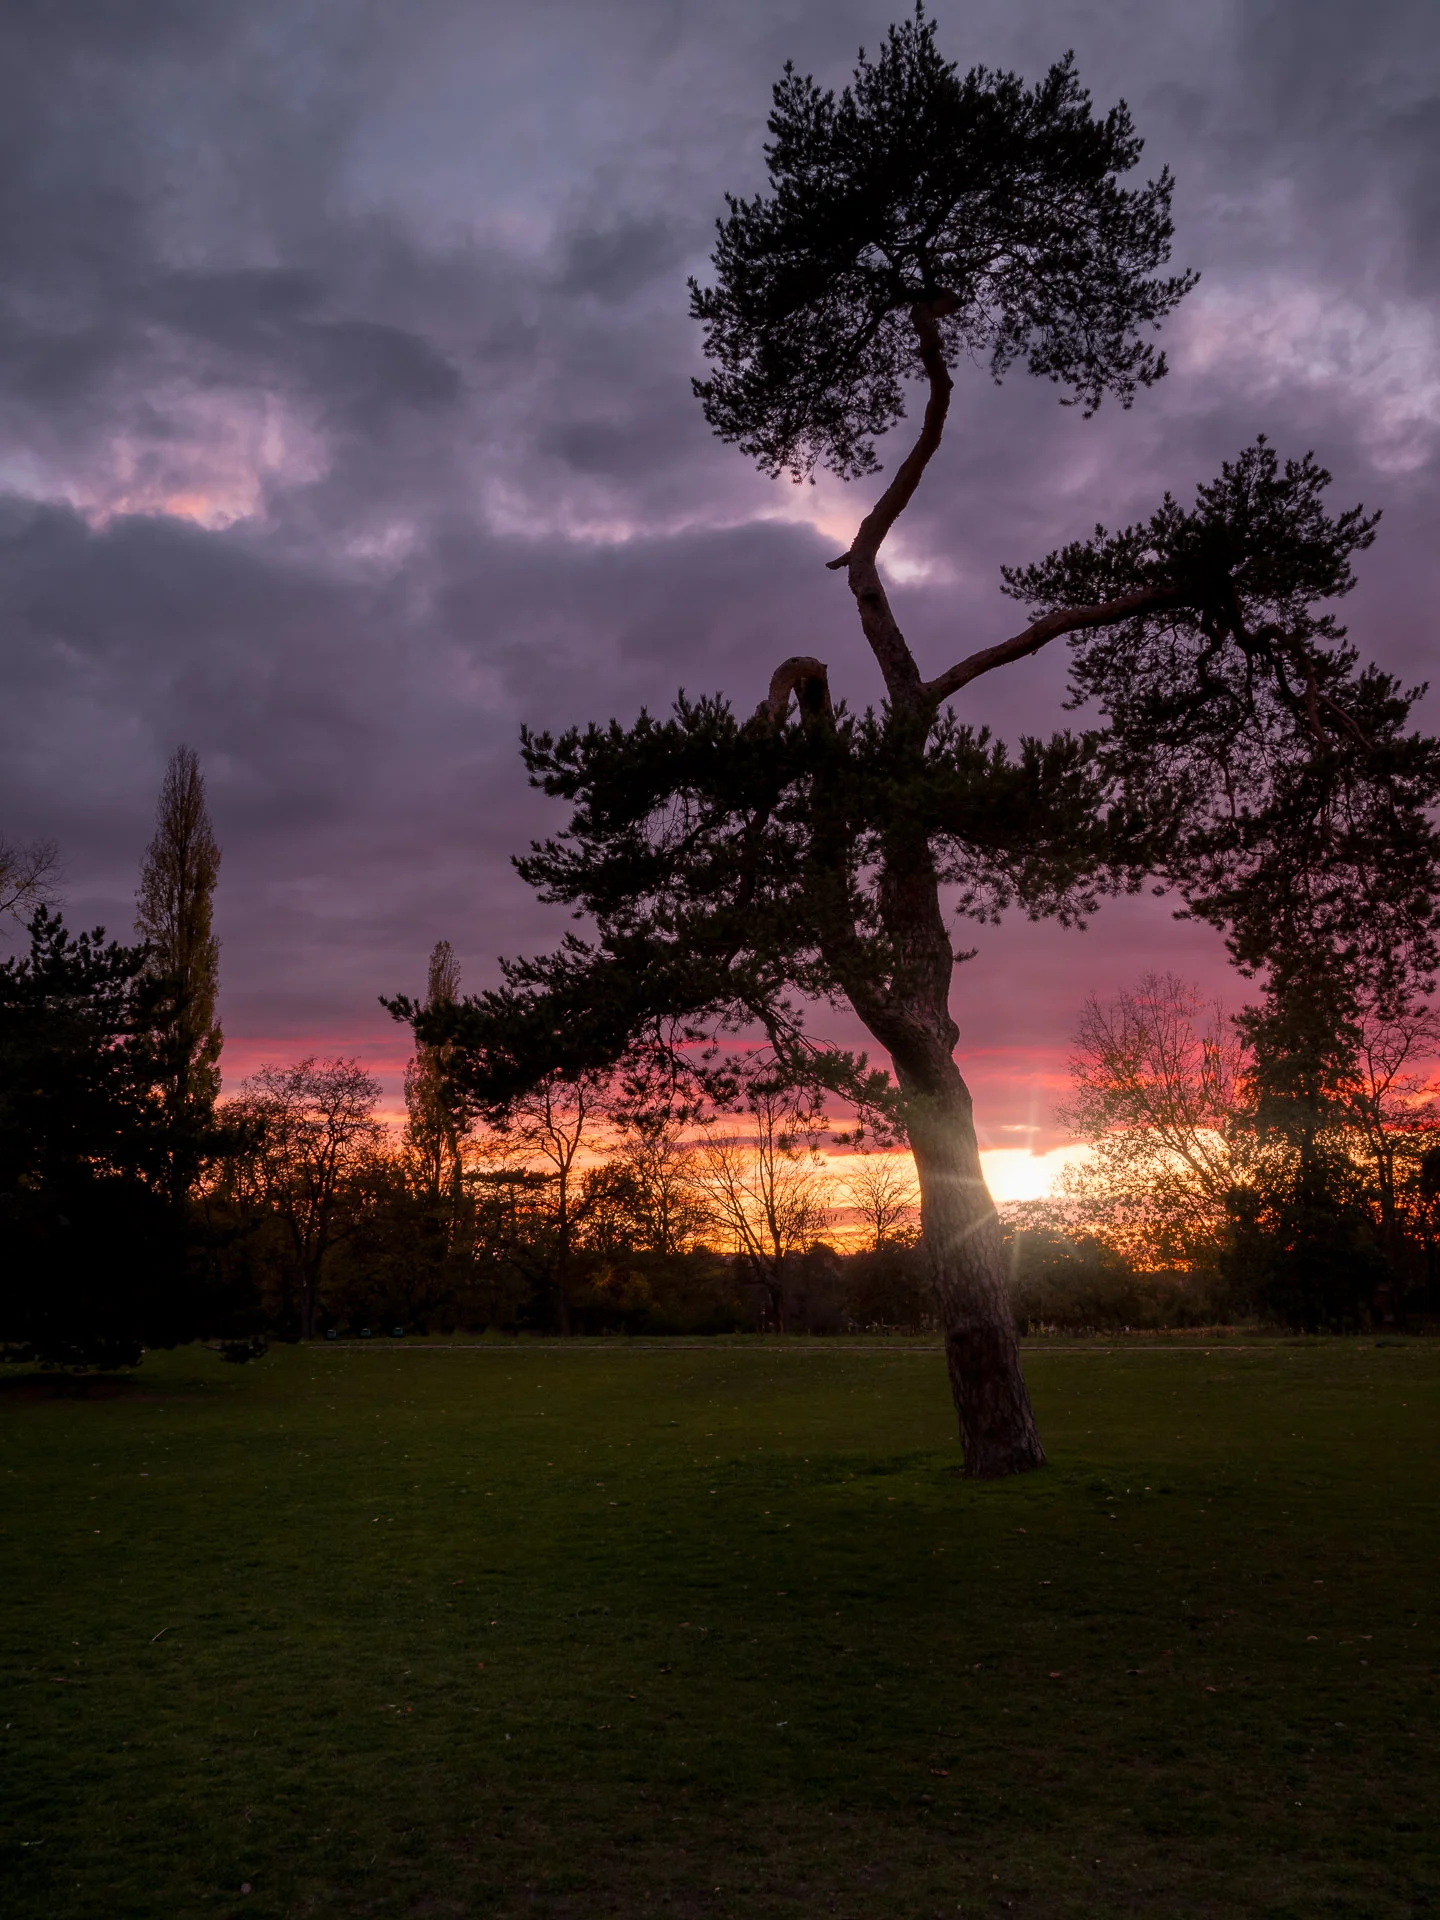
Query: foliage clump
x=998, y=204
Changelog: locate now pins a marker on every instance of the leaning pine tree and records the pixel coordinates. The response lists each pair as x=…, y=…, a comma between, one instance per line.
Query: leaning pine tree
x=735, y=871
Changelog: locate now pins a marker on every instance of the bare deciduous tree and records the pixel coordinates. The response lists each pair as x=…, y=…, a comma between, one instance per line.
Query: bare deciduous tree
x=1391, y=1102
x=553, y=1124
x=763, y=1187
x=437, y=1125
x=27, y=877
x=1159, y=1094
x=314, y=1134
x=884, y=1192
x=652, y=1150
x=1165, y=1094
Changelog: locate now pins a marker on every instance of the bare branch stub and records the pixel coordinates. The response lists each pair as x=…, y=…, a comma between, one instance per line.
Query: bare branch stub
x=808, y=680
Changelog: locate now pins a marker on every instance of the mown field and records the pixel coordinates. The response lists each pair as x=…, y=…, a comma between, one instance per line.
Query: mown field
x=627, y=1629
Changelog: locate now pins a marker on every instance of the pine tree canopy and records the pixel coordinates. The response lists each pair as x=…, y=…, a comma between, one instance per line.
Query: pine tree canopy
x=996, y=205
x=734, y=870
x=1302, y=800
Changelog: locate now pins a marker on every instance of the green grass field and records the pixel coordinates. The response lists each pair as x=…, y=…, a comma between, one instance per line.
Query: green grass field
x=628, y=1629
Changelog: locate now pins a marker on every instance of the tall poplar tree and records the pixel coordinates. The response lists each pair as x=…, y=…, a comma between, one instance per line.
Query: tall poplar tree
x=436, y=1122
x=94, y=1259
x=174, y=909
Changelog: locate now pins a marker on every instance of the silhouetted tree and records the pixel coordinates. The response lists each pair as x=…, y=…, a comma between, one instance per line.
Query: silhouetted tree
x=1391, y=1103
x=436, y=1123
x=1160, y=1092
x=1348, y=1110
x=516, y=1236
x=882, y=1191
x=759, y=1175
x=1282, y=1146
x=174, y=913
x=553, y=1123
x=735, y=870
x=27, y=877
x=93, y=1254
x=1305, y=1243
x=653, y=1155
x=313, y=1139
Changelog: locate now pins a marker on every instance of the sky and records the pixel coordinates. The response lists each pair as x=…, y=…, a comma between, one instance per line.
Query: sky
x=345, y=425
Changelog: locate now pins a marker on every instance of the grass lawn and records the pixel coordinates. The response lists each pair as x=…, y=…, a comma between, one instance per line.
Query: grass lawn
x=628, y=1629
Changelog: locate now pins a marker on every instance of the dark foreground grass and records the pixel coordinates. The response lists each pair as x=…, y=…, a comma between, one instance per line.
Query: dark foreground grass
x=534, y=1631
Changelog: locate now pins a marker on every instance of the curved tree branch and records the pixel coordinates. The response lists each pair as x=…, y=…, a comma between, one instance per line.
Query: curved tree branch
x=1042, y=631
x=887, y=643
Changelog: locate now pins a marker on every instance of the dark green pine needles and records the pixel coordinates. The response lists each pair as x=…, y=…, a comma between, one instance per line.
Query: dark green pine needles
x=916, y=184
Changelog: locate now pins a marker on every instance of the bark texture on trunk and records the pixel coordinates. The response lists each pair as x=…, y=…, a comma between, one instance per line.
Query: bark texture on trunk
x=963, y=1249
x=960, y=1228
x=904, y=1001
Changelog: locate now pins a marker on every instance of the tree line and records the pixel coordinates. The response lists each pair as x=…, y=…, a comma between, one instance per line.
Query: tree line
x=141, y=1208
x=586, y=1213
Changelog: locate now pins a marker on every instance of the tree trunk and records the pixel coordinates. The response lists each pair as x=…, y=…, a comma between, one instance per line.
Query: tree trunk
x=961, y=1238
x=909, y=1014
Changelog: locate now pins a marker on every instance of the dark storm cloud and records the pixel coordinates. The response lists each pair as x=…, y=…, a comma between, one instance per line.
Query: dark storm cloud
x=344, y=385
